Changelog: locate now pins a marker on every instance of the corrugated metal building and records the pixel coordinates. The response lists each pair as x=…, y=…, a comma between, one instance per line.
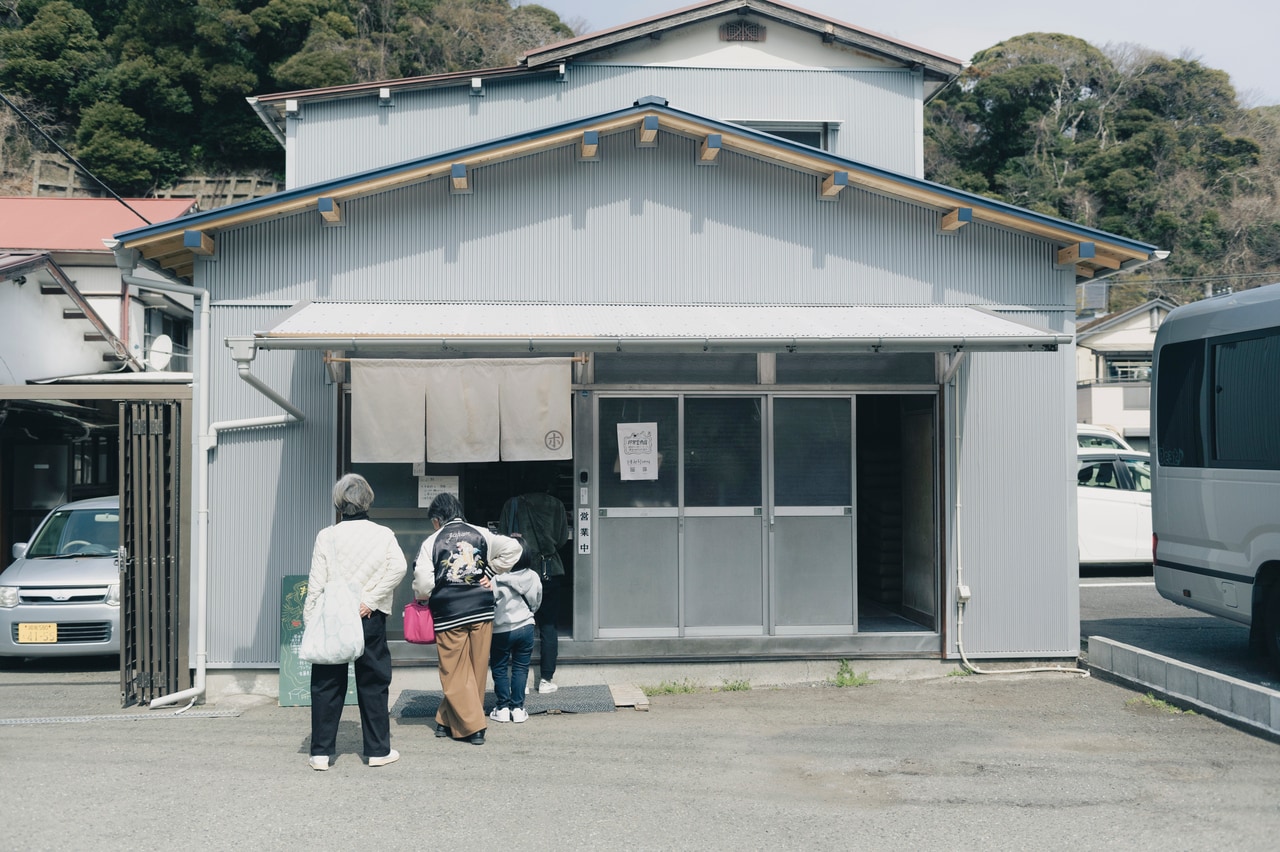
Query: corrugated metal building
x=852, y=388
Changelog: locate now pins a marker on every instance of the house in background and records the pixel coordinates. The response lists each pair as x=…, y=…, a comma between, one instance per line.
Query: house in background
x=687, y=273
x=68, y=321
x=1113, y=370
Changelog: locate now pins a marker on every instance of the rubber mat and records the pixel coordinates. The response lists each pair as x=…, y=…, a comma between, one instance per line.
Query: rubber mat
x=417, y=703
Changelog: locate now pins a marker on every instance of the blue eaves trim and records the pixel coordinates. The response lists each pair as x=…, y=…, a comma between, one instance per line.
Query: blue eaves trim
x=648, y=104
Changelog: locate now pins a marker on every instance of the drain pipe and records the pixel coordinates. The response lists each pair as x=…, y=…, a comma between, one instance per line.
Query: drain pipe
x=204, y=442
x=963, y=593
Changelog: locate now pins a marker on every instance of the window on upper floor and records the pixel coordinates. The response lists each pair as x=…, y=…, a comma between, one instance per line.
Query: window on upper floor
x=815, y=134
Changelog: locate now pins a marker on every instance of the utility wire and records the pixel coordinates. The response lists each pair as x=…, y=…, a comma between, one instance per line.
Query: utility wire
x=1204, y=278
x=81, y=166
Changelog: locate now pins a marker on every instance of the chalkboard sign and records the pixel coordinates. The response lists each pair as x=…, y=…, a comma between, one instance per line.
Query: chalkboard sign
x=295, y=674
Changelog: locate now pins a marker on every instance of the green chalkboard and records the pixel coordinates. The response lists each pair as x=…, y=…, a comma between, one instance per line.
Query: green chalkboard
x=295, y=674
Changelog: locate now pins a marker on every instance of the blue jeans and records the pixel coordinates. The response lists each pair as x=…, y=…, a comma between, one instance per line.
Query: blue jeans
x=509, y=661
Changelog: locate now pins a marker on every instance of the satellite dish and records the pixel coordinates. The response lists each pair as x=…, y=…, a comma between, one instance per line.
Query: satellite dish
x=161, y=352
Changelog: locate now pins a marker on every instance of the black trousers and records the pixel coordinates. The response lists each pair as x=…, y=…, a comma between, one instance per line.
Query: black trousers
x=373, y=682
x=553, y=589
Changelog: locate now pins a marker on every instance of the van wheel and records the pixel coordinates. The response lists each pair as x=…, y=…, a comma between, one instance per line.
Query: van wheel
x=1271, y=625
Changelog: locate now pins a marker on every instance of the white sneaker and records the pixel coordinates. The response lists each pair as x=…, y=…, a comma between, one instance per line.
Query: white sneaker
x=547, y=686
x=528, y=687
x=500, y=714
x=519, y=714
x=319, y=762
x=390, y=757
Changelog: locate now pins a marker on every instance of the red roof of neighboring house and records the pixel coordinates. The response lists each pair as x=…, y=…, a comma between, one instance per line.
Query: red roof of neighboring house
x=78, y=224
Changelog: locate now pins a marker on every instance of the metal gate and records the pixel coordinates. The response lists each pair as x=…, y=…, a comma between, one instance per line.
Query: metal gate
x=153, y=589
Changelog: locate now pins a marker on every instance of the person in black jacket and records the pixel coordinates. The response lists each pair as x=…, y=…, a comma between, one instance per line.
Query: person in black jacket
x=541, y=519
x=453, y=574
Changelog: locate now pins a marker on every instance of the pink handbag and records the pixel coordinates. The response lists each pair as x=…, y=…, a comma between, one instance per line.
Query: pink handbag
x=419, y=628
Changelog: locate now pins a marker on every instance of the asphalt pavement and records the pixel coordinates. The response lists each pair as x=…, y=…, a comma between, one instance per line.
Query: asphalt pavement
x=1045, y=761
x=1128, y=609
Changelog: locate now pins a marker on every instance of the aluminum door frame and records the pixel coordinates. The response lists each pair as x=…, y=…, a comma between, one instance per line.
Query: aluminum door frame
x=772, y=513
x=760, y=511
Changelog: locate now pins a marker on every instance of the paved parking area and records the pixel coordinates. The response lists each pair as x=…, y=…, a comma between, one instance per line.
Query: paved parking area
x=975, y=762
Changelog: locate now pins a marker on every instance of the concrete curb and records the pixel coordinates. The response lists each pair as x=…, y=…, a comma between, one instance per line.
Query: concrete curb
x=1247, y=705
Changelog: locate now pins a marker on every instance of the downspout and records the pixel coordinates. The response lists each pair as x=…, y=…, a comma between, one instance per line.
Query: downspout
x=205, y=440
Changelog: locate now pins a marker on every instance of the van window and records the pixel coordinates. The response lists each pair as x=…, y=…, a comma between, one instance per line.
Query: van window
x=1246, y=377
x=1179, y=378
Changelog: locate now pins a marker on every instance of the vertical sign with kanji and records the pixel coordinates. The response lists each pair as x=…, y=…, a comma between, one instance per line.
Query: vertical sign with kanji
x=583, y=527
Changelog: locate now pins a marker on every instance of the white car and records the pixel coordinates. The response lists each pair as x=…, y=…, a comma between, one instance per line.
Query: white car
x=1113, y=506
x=61, y=596
x=1090, y=437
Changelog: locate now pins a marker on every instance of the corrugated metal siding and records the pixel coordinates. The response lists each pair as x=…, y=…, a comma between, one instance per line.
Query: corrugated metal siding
x=269, y=490
x=643, y=225
x=1017, y=492
x=877, y=111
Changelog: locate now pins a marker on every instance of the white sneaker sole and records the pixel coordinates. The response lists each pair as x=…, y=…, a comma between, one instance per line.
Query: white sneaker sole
x=386, y=759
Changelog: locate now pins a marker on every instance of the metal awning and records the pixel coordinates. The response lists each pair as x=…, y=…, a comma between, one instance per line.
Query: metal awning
x=374, y=327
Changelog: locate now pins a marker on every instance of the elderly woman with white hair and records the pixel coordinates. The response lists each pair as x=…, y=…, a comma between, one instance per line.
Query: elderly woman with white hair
x=366, y=555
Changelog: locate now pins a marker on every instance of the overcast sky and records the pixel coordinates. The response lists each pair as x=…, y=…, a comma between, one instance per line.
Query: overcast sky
x=1236, y=36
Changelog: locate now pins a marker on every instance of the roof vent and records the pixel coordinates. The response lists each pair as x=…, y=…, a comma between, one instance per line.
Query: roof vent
x=742, y=31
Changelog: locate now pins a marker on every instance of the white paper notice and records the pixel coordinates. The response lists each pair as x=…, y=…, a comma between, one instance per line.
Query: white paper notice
x=638, y=450
x=431, y=486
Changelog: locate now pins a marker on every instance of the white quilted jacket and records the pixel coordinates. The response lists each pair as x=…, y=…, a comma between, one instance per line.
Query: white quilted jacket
x=360, y=552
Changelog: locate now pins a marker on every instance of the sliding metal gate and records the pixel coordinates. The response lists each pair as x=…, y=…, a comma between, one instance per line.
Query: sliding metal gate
x=153, y=592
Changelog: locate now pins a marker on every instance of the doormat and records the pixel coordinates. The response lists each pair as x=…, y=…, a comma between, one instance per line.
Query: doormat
x=420, y=703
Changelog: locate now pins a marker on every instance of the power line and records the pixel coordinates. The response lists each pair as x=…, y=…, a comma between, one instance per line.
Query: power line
x=1202, y=278
x=81, y=166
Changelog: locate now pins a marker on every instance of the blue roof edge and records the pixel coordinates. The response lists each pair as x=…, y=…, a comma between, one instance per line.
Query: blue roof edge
x=648, y=103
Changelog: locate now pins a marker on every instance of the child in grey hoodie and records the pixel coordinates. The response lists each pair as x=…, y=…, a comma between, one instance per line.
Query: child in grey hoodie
x=517, y=595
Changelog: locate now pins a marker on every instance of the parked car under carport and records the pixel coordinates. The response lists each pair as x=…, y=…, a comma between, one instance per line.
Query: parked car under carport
x=61, y=595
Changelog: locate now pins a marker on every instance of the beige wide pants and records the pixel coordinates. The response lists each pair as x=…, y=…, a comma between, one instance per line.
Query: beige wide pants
x=464, y=665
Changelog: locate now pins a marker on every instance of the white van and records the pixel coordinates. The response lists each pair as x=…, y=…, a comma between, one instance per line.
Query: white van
x=1215, y=451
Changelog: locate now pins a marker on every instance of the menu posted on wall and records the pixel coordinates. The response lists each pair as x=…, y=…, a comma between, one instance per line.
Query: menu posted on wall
x=638, y=450
x=429, y=487
x=295, y=674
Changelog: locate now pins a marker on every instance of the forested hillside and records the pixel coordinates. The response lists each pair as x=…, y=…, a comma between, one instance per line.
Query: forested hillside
x=143, y=91
x=1120, y=138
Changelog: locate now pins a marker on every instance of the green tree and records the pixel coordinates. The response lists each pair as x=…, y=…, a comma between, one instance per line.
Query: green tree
x=50, y=56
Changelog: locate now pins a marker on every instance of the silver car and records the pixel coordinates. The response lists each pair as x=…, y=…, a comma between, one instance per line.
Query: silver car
x=62, y=595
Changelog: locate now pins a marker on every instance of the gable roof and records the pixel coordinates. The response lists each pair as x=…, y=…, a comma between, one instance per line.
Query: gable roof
x=173, y=246
x=1110, y=321
x=77, y=224
x=938, y=69
x=16, y=266
x=936, y=66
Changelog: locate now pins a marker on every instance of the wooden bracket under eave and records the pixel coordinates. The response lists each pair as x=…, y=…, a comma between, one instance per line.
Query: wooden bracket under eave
x=198, y=242
x=957, y=219
x=1105, y=261
x=648, y=131
x=330, y=210
x=589, y=149
x=833, y=183
x=459, y=181
x=710, y=148
x=1073, y=254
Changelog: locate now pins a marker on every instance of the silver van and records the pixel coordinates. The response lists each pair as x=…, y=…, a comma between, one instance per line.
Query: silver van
x=61, y=597
x=1216, y=460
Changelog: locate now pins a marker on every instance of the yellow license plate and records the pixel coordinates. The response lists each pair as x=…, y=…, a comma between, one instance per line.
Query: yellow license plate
x=37, y=632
